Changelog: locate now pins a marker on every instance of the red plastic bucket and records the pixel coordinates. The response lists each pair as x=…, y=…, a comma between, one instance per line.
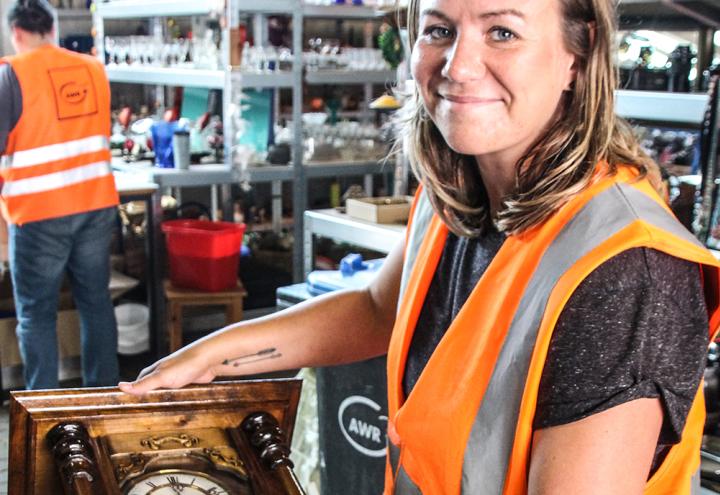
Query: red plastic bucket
x=203, y=255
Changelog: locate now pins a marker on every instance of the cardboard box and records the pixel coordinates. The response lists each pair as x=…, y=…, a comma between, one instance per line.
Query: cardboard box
x=68, y=329
x=380, y=210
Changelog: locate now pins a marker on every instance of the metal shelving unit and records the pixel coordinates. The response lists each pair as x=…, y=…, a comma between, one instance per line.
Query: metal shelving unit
x=72, y=14
x=166, y=76
x=269, y=173
x=333, y=169
x=140, y=9
x=683, y=108
x=270, y=80
x=297, y=172
x=350, y=77
x=200, y=78
x=341, y=227
x=670, y=14
x=339, y=11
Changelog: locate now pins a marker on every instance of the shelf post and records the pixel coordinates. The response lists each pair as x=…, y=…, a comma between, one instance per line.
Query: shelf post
x=299, y=179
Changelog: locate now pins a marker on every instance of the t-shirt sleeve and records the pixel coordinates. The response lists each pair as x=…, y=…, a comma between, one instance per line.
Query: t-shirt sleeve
x=637, y=327
x=11, y=103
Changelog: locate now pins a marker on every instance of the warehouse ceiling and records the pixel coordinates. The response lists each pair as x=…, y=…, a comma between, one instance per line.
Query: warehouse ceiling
x=669, y=14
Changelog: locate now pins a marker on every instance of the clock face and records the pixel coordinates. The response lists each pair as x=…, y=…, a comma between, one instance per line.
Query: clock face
x=175, y=482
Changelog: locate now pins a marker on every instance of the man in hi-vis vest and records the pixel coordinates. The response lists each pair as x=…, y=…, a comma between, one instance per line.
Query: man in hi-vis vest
x=58, y=195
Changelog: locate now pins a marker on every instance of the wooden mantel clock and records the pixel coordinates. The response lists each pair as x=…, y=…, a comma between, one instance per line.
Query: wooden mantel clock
x=225, y=438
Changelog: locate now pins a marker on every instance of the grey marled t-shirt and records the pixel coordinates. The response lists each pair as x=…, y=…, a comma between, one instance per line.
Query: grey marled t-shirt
x=10, y=103
x=635, y=328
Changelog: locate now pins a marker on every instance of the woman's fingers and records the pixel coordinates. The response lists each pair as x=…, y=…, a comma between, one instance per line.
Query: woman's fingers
x=148, y=370
x=146, y=382
x=168, y=374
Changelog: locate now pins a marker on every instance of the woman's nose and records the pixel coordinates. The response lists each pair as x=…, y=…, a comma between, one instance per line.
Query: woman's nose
x=464, y=60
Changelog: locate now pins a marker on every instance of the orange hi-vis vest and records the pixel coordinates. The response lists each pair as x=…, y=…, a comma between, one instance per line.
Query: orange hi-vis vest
x=57, y=158
x=466, y=427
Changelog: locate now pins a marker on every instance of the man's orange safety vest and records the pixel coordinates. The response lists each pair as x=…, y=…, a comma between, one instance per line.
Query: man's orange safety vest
x=57, y=158
x=466, y=427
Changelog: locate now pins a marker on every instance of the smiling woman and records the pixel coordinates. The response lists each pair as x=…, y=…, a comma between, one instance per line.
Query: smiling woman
x=546, y=319
x=526, y=93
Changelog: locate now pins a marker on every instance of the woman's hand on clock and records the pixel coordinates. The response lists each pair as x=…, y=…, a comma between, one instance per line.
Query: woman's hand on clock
x=188, y=365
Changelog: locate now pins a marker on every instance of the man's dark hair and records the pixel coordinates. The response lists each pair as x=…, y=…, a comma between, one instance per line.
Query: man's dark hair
x=35, y=16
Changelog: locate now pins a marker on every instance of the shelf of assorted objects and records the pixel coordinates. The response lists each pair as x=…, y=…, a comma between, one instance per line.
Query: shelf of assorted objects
x=195, y=176
x=682, y=108
x=208, y=174
x=191, y=77
x=126, y=9
x=172, y=76
x=276, y=79
x=339, y=76
x=129, y=9
x=342, y=227
x=269, y=173
x=316, y=169
x=266, y=6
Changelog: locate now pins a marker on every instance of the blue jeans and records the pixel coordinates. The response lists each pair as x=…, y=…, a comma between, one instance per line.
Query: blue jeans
x=40, y=253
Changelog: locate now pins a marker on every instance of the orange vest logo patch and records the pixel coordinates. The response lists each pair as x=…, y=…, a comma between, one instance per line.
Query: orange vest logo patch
x=74, y=92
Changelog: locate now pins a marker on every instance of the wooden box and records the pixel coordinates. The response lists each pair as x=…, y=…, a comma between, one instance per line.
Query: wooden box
x=223, y=438
x=380, y=210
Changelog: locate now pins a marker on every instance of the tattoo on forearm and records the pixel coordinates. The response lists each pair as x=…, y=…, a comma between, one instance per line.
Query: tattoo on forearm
x=270, y=353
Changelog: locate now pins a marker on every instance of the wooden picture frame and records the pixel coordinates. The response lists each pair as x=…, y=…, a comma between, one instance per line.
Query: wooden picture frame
x=100, y=441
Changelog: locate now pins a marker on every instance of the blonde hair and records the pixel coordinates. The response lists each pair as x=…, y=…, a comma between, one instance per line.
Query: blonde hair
x=560, y=164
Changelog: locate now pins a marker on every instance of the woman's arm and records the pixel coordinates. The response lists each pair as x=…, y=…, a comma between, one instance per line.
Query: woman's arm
x=336, y=328
x=604, y=454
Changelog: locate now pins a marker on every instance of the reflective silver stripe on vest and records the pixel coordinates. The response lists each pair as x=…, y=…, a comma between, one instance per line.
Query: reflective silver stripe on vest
x=58, y=151
x=487, y=452
x=418, y=228
x=404, y=485
x=393, y=455
x=56, y=180
x=695, y=484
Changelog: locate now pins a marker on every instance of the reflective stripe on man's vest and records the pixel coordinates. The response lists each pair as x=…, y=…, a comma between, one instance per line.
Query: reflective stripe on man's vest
x=467, y=425
x=57, y=158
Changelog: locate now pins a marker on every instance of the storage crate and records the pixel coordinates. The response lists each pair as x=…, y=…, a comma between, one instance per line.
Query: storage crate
x=203, y=255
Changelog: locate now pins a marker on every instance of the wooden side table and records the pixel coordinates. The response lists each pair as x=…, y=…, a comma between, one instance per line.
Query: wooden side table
x=178, y=298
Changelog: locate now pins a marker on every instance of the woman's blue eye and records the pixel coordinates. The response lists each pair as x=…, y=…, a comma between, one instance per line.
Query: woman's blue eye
x=438, y=33
x=502, y=34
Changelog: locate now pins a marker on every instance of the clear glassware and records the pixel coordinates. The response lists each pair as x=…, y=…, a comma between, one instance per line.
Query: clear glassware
x=175, y=53
x=271, y=59
x=183, y=51
x=246, y=59
x=133, y=51
x=285, y=59
x=165, y=55
x=122, y=51
x=110, y=50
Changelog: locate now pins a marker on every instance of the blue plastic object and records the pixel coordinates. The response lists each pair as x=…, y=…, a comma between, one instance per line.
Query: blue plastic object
x=352, y=263
x=162, y=135
x=354, y=273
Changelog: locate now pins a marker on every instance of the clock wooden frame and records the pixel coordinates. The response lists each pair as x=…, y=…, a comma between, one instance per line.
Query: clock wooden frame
x=97, y=441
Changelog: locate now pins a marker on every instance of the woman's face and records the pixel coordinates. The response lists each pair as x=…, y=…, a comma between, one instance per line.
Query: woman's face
x=491, y=72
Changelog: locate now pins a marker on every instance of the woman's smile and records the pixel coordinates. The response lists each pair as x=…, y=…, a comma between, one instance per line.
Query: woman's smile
x=468, y=99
